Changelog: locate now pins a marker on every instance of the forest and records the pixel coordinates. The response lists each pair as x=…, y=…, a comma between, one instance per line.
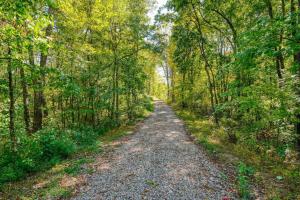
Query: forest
x=72, y=71
x=236, y=63
x=69, y=71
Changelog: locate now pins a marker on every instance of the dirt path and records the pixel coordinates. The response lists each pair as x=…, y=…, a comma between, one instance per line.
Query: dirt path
x=159, y=161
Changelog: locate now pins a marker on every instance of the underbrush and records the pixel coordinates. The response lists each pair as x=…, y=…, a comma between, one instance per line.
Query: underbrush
x=43, y=150
x=51, y=155
x=50, y=182
x=273, y=167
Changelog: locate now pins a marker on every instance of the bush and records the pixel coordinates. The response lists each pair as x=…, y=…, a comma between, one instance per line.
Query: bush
x=84, y=136
x=10, y=173
x=9, y=170
x=44, y=149
x=244, y=172
x=35, y=153
x=148, y=104
x=56, y=145
x=30, y=153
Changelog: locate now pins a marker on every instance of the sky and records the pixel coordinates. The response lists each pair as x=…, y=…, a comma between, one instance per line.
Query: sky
x=151, y=14
x=154, y=10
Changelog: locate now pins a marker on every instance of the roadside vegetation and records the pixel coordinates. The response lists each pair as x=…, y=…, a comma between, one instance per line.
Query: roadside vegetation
x=70, y=72
x=232, y=71
x=60, y=179
x=272, y=174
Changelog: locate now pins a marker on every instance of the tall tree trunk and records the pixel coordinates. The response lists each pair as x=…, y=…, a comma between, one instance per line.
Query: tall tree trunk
x=37, y=99
x=12, y=133
x=281, y=58
x=115, y=98
x=40, y=104
x=115, y=91
x=25, y=100
x=167, y=76
x=168, y=81
x=297, y=59
x=117, y=95
x=173, y=85
x=295, y=22
x=37, y=107
x=207, y=64
x=43, y=63
x=279, y=61
x=183, y=103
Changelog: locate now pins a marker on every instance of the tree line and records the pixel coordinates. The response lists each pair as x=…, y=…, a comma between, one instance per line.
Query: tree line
x=69, y=65
x=239, y=61
x=237, y=64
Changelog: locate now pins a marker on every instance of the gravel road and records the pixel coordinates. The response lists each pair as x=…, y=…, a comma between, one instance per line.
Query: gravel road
x=159, y=161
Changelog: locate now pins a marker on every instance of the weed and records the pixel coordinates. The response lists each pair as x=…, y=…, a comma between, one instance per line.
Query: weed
x=151, y=183
x=243, y=175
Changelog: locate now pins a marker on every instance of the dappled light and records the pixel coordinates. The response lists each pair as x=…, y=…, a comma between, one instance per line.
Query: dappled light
x=150, y=99
x=160, y=159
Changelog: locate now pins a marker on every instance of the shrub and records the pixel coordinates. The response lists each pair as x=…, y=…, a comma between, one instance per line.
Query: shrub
x=35, y=153
x=244, y=172
x=10, y=173
x=30, y=153
x=148, y=104
x=9, y=162
x=84, y=136
x=56, y=145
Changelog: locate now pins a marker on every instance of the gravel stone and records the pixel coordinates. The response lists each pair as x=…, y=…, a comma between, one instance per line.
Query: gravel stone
x=159, y=161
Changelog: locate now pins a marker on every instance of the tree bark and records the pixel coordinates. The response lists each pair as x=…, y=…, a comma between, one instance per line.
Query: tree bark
x=25, y=101
x=40, y=104
x=12, y=133
x=279, y=61
x=206, y=65
x=294, y=23
x=297, y=59
x=37, y=99
x=173, y=85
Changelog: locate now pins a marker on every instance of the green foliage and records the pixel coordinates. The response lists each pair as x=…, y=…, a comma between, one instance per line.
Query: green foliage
x=35, y=153
x=69, y=72
x=9, y=171
x=75, y=168
x=55, y=145
x=148, y=104
x=43, y=150
x=244, y=174
x=208, y=146
x=268, y=162
x=84, y=136
x=237, y=62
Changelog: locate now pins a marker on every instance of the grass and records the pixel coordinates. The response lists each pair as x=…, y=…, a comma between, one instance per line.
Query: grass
x=151, y=183
x=60, y=181
x=279, y=180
